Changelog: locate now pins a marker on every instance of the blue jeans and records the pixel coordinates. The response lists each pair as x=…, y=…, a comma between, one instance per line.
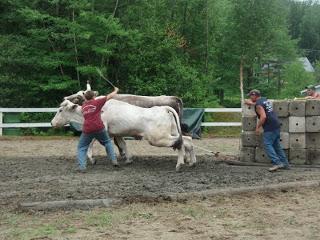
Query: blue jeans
x=273, y=148
x=84, y=142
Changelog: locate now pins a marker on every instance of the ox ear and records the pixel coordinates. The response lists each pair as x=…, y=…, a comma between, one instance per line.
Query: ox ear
x=73, y=107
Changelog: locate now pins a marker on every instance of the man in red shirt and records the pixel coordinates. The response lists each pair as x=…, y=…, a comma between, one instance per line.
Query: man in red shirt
x=93, y=127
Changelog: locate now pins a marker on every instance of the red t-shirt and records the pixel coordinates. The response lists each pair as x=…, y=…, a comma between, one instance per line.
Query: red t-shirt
x=91, y=111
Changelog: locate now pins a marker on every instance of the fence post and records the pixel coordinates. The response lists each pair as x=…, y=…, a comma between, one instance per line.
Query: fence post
x=1, y=121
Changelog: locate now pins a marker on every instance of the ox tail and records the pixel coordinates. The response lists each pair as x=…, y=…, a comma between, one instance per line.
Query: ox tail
x=179, y=108
x=178, y=143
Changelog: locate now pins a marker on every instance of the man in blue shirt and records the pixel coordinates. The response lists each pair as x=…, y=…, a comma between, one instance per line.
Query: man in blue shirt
x=268, y=119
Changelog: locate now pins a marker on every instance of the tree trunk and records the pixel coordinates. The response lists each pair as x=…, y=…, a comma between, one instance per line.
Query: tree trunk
x=173, y=4
x=207, y=39
x=241, y=79
x=107, y=36
x=76, y=52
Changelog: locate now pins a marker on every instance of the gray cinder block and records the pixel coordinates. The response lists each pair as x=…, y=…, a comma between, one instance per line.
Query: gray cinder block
x=284, y=124
x=259, y=140
x=297, y=108
x=249, y=139
x=297, y=124
x=249, y=123
x=281, y=108
x=313, y=156
x=247, y=154
x=297, y=140
x=248, y=110
x=284, y=140
x=313, y=140
x=286, y=151
x=313, y=107
x=261, y=156
x=298, y=156
x=313, y=124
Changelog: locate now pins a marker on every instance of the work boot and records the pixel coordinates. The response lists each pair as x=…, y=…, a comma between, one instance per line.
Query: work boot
x=115, y=163
x=275, y=168
x=80, y=170
x=286, y=167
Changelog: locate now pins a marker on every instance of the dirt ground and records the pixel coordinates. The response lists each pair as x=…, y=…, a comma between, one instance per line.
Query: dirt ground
x=33, y=169
x=280, y=215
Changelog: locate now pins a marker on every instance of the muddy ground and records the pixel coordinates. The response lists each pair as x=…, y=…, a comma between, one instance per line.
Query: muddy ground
x=43, y=169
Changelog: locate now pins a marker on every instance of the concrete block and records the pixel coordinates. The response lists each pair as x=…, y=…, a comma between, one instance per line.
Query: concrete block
x=284, y=124
x=281, y=108
x=313, y=107
x=249, y=139
x=297, y=108
x=249, y=123
x=298, y=156
x=313, y=140
x=261, y=156
x=313, y=156
x=297, y=124
x=284, y=140
x=297, y=141
x=286, y=151
x=247, y=154
x=248, y=111
x=260, y=140
x=313, y=124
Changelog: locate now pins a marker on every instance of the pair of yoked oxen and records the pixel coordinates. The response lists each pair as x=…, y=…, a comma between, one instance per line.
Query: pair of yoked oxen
x=155, y=119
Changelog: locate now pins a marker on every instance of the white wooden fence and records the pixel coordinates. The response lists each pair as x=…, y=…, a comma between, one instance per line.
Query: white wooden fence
x=47, y=124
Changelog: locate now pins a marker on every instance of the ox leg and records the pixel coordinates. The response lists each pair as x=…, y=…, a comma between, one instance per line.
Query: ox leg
x=180, y=161
x=169, y=141
x=90, y=153
x=122, y=146
x=117, y=141
x=187, y=141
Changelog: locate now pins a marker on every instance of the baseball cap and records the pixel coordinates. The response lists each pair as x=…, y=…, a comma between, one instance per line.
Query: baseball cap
x=255, y=92
x=311, y=87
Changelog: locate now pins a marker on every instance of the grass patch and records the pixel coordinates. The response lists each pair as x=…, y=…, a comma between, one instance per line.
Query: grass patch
x=102, y=219
x=222, y=131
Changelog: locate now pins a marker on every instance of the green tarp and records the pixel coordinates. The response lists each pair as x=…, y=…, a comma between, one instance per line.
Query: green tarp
x=192, y=118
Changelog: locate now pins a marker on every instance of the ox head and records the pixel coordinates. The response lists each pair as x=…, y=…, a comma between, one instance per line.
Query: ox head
x=78, y=98
x=67, y=112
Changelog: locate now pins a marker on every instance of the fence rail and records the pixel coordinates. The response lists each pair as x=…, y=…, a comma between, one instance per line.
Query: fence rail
x=46, y=124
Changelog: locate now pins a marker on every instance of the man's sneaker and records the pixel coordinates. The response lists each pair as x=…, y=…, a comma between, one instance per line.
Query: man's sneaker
x=275, y=168
x=286, y=167
x=80, y=170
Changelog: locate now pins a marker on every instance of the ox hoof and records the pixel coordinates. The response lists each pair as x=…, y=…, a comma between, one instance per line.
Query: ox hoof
x=93, y=161
x=192, y=164
x=115, y=164
x=178, y=167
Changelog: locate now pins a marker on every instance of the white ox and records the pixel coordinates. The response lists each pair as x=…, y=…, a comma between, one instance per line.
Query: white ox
x=159, y=125
x=137, y=100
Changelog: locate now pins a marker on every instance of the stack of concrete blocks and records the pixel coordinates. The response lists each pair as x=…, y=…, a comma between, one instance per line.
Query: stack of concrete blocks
x=300, y=132
x=313, y=131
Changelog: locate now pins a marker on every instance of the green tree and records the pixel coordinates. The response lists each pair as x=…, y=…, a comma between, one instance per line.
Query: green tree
x=295, y=79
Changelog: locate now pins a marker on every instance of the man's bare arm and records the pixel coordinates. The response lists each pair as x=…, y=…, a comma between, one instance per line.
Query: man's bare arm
x=262, y=117
x=249, y=102
x=111, y=95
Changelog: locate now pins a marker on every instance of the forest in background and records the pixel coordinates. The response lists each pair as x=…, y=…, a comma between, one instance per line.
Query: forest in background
x=190, y=48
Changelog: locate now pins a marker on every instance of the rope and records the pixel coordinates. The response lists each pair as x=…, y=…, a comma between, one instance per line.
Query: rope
x=101, y=75
x=216, y=154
